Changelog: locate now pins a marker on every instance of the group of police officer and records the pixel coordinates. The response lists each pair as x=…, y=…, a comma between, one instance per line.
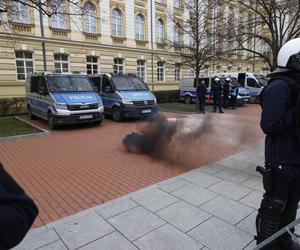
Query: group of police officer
x=223, y=95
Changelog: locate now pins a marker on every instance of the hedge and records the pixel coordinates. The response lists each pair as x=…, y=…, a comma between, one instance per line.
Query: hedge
x=12, y=106
x=165, y=96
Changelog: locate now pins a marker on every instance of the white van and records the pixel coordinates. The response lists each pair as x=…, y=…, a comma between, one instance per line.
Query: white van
x=250, y=81
x=187, y=89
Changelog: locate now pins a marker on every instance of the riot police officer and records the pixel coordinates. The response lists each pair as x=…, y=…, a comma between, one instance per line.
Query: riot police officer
x=226, y=92
x=217, y=94
x=280, y=121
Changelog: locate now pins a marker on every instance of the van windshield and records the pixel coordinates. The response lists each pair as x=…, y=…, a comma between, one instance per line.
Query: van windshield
x=262, y=80
x=128, y=83
x=69, y=83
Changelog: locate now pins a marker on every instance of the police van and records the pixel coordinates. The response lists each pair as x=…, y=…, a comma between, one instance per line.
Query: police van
x=187, y=89
x=250, y=81
x=63, y=98
x=124, y=96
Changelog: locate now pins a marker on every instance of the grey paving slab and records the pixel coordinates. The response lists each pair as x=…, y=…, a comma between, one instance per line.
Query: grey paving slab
x=233, y=175
x=253, y=199
x=227, y=210
x=248, y=224
x=217, y=234
x=201, y=179
x=251, y=246
x=167, y=238
x=153, y=198
x=83, y=230
x=240, y=156
x=136, y=222
x=172, y=184
x=211, y=169
x=233, y=164
x=114, y=207
x=194, y=194
x=255, y=183
x=113, y=241
x=251, y=171
x=35, y=239
x=231, y=190
x=56, y=245
x=255, y=161
x=183, y=215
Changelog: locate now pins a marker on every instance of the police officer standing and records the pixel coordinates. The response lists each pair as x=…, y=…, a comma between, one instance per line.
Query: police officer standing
x=280, y=121
x=234, y=91
x=201, y=95
x=217, y=94
x=226, y=89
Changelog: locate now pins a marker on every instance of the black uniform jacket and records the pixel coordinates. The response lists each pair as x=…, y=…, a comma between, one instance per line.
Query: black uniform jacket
x=17, y=211
x=282, y=146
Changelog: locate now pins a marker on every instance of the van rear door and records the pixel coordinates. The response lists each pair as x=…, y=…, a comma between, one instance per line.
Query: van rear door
x=241, y=79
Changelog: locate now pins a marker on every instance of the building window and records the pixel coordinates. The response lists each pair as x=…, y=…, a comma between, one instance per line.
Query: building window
x=159, y=31
x=141, y=69
x=159, y=1
x=139, y=28
x=89, y=18
x=116, y=23
x=192, y=72
x=177, y=3
x=24, y=63
x=160, y=71
x=176, y=35
x=61, y=63
x=58, y=20
x=177, y=72
x=20, y=12
x=118, y=65
x=92, y=65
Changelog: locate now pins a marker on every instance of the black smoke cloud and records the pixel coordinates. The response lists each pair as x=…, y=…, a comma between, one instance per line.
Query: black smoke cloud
x=175, y=140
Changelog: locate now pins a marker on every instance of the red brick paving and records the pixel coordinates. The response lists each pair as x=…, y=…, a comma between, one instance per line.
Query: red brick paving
x=78, y=167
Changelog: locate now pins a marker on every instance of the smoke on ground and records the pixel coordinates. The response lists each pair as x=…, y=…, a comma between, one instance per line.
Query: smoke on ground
x=175, y=140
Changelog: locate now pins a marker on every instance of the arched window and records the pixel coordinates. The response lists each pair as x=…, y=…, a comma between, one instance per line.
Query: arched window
x=89, y=18
x=20, y=11
x=159, y=31
x=116, y=23
x=139, y=28
x=58, y=20
x=176, y=34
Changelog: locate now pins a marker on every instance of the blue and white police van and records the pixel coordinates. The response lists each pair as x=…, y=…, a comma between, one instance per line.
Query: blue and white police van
x=187, y=90
x=63, y=98
x=124, y=96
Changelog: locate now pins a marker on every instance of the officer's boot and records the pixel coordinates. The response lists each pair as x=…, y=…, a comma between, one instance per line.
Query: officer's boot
x=285, y=242
x=267, y=224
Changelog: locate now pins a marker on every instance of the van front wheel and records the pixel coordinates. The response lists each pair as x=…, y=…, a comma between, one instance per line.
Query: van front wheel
x=117, y=114
x=187, y=99
x=51, y=123
x=31, y=116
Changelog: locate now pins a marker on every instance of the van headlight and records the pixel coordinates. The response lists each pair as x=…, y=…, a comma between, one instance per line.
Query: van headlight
x=127, y=101
x=61, y=106
x=155, y=101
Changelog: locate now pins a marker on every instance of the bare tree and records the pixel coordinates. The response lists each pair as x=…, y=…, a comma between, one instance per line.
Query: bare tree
x=264, y=27
x=195, y=36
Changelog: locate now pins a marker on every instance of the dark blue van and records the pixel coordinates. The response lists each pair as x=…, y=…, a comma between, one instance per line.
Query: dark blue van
x=124, y=95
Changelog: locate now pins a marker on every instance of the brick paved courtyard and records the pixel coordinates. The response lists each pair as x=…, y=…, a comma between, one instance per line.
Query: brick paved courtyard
x=75, y=168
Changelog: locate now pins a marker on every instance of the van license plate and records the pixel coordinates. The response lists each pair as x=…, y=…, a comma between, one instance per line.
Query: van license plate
x=85, y=116
x=246, y=100
x=146, y=111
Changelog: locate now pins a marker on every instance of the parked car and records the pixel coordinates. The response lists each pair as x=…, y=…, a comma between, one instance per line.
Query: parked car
x=63, y=99
x=124, y=95
x=187, y=89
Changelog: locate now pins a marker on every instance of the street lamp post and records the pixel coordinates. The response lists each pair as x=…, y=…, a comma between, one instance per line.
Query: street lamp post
x=42, y=35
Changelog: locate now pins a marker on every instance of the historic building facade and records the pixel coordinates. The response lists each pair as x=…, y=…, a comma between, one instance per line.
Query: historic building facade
x=127, y=36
